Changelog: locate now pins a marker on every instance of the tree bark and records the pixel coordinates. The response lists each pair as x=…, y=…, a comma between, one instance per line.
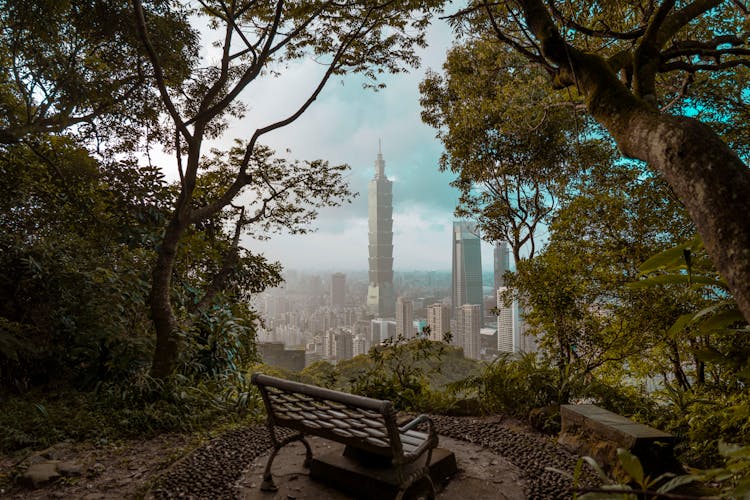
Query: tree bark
x=162, y=314
x=707, y=176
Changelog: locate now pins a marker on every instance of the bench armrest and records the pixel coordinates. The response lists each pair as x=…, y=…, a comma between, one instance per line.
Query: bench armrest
x=420, y=419
x=429, y=443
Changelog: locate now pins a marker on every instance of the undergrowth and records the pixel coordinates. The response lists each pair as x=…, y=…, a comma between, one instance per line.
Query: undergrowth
x=142, y=408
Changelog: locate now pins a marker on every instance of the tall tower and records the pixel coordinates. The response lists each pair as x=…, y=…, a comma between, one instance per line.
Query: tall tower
x=381, y=299
x=338, y=289
x=467, y=266
x=502, y=263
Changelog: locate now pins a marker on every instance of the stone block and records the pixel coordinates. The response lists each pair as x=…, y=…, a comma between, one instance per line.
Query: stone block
x=598, y=433
x=370, y=482
x=40, y=474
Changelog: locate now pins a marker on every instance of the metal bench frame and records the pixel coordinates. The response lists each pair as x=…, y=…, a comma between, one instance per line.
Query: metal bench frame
x=363, y=423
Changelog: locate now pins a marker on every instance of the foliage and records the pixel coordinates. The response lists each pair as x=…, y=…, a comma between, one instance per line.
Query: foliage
x=510, y=142
x=395, y=373
x=78, y=65
x=574, y=292
x=141, y=408
x=633, y=485
x=411, y=373
x=75, y=253
x=653, y=75
x=513, y=386
x=732, y=480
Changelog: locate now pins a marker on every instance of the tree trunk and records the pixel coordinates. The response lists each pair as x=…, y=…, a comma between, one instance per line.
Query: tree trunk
x=162, y=314
x=707, y=176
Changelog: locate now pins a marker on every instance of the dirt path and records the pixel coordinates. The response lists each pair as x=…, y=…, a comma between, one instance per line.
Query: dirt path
x=118, y=470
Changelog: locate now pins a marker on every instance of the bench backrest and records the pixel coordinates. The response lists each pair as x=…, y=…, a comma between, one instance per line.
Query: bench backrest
x=364, y=423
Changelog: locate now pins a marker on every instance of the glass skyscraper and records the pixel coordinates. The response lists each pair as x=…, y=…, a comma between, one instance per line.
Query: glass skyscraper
x=467, y=266
x=502, y=263
x=381, y=299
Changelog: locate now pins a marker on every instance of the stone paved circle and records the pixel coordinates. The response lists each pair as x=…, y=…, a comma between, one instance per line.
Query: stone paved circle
x=212, y=470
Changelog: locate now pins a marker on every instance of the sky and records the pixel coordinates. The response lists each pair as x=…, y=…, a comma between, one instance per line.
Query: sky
x=343, y=126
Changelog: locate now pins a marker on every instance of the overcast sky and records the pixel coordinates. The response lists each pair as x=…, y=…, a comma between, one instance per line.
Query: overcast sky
x=343, y=126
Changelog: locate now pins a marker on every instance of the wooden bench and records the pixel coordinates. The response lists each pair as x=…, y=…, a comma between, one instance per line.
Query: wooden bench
x=364, y=424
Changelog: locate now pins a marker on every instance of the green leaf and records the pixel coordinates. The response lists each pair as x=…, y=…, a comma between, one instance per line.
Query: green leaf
x=682, y=322
x=732, y=450
x=668, y=259
x=599, y=472
x=631, y=464
x=721, y=321
x=675, y=279
x=676, y=483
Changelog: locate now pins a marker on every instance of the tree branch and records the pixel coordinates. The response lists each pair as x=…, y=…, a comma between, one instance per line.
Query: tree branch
x=140, y=22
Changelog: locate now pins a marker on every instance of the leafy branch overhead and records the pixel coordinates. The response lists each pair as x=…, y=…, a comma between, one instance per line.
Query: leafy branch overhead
x=655, y=76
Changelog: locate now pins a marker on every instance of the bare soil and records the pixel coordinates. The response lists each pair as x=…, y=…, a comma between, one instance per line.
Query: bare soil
x=125, y=469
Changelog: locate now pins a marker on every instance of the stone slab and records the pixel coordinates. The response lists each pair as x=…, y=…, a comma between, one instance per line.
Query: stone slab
x=371, y=482
x=590, y=430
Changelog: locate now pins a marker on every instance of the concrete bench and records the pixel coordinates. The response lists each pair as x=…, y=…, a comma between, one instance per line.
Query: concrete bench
x=596, y=432
x=366, y=426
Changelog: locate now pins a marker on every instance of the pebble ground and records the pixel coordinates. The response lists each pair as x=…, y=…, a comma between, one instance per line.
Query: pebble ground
x=212, y=470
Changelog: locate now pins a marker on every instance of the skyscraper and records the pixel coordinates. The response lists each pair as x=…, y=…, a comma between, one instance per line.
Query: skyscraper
x=506, y=325
x=438, y=319
x=338, y=289
x=381, y=300
x=467, y=266
x=404, y=318
x=468, y=324
x=502, y=262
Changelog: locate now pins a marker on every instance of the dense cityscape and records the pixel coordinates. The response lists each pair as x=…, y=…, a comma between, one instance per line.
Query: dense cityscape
x=337, y=316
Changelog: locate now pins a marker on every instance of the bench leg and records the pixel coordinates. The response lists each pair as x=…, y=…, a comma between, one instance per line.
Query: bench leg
x=268, y=484
x=430, y=494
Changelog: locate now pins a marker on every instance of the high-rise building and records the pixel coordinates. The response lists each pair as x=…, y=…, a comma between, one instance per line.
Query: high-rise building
x=381, y=299
x=506, y=325
x=468, y=325
x=502, y=262
x=467, y=265
x=329, y=344
x=439, y=320
x=344, y=345
x=404, y=318
x=526, y=341
x=381, y=329
x=338, y=289
x=359, y=345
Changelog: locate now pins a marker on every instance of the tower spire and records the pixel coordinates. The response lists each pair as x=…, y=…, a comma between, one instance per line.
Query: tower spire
x=379, y=163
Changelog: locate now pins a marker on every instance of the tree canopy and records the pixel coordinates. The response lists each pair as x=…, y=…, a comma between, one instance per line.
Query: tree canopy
x=647, y=71
x=78, y=66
